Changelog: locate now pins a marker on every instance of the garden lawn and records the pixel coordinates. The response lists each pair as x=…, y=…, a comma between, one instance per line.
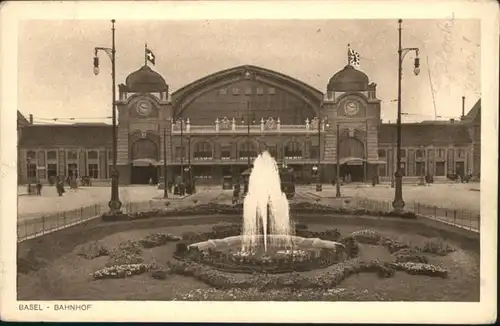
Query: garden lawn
x=68, y=277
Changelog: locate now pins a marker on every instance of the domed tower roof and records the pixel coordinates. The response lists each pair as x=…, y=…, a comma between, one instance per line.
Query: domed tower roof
x=348, y=79
x=145, y=80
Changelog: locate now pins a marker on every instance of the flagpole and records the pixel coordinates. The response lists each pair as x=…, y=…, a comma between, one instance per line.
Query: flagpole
x=145, y=54
x=348, y=54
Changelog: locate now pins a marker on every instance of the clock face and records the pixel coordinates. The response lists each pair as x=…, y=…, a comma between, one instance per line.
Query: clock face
x=143, y=107
x=351, y=108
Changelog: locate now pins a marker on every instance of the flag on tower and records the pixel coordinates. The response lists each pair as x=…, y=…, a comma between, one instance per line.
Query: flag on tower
x=149, y=55
x=352, y=57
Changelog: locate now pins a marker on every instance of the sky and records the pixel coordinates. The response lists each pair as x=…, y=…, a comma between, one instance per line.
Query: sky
x=56, y=78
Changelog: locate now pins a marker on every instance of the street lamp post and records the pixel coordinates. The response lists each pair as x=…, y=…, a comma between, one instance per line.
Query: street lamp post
x=421, y=181
x=398, y=204
x=165, y=178
x=249, y=117
x=319, y=186
x=248, y=135
x=29, y=175
x=183, y=150
x=337, y=183
x=114, y=204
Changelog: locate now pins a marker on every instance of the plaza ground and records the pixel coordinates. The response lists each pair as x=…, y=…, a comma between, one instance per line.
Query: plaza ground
x=452, y=196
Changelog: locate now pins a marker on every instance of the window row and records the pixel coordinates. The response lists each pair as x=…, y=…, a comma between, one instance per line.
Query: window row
x=70, y=155
x=204, y=151
x=247, y=91
x=420, y=153
x=72, y=169
x=439, y=169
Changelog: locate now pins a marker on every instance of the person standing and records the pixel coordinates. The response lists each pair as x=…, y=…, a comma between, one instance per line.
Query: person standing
x=60, y=186
x=38, y=187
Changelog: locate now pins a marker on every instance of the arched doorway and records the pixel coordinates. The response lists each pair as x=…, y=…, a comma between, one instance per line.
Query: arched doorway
x=144, y=162
x=352, y=159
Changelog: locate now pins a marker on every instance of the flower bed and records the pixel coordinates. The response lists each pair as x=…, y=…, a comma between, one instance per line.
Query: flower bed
x=282, y=261
x=223, y=209
x=120, y=271
x=421, y=269
x=157, y=239
x=92, y=250
x=286, y=294
x=265, y=282
x=367, y=237
x=127, y=253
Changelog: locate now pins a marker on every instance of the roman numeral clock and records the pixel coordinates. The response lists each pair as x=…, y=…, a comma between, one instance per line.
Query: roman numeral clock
x=351, y=108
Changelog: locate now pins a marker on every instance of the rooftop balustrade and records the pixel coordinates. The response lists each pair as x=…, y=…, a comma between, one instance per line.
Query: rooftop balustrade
x=269, y=125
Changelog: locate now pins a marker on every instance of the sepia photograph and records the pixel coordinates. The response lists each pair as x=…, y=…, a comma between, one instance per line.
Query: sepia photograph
x=250, y=159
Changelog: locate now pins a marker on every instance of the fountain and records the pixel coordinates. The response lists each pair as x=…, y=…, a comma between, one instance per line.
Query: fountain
x=268, y=242
x=265, y=207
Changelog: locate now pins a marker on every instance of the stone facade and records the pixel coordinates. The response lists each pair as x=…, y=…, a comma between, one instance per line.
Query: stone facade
x=210, y=128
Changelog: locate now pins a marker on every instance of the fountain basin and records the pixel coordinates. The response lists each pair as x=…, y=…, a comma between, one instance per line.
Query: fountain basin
x=285, y=254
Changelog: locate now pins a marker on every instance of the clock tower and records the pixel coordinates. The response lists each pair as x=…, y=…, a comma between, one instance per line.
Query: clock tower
x=144, y=110
x=351, y=105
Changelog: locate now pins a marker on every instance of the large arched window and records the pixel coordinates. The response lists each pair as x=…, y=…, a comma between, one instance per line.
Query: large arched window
x=293, y=150
x=144, y=148
x=203, y=151
x=246, y=150
x=351, y=147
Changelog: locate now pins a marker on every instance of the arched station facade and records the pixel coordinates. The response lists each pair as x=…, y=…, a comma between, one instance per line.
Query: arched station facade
x=214, y=126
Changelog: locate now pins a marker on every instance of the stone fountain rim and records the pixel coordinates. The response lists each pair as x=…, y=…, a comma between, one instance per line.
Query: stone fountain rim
x=293, y=237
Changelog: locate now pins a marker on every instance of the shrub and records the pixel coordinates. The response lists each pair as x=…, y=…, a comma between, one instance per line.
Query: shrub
x=409, y=256
x=181, y=248
x=421, y=269
x=300, y=226
x=223, y=229
x=159, y=272
x=157, y=239
x=190, y=236
x=367, y=237
x=213, y=208
x=351, y=246
x=393, y=245
x=92, y=250
x=130, y=247
x=437, y=246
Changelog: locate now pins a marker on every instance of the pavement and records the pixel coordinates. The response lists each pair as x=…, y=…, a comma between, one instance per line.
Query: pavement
x=453, y=196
